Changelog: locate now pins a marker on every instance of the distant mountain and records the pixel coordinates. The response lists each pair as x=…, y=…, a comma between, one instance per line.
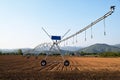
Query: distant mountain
x=117, y=45
x=9, y=50
x=26, y=49
x=14, y=50
x=98, y=48
x=70, y=48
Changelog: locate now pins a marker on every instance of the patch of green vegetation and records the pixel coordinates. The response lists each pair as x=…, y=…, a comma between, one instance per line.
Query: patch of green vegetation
x=110, y=54
x=84, y=54
x=42, y=53
x=0, y=53
x=104, y=54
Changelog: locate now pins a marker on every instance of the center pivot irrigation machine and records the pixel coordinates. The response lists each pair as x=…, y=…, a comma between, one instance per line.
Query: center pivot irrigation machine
x=58, y=39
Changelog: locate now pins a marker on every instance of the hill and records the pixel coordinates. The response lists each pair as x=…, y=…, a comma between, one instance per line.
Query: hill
x=117, y=45
x=70, y=48
x=98, y=48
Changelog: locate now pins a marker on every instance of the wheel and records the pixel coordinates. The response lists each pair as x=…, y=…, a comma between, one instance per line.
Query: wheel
x=66, y=63
x=43, y=62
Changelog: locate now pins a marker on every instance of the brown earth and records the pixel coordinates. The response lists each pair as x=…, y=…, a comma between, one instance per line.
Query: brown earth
x=16, y=67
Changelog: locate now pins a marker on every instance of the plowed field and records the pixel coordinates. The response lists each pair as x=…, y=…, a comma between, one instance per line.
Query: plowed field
x=14, y=67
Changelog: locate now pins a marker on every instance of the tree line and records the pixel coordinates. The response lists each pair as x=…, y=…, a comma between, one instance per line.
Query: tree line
x=110, y=54
x=103, y=54
x=19, y=52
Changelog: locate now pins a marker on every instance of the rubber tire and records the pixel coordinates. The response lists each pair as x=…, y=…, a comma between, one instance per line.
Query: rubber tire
x=66, y=63
x=43, y=63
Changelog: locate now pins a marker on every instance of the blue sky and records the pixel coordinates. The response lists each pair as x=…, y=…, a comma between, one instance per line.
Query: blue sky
x=21, y=21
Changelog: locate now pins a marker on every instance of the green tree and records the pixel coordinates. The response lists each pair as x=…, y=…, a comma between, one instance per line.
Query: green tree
x=20, y=52
x=110, y=54
x=0, y=53
x=82, y=53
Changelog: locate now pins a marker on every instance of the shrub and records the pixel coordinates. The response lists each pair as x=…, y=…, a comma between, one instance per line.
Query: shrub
x=20, y=52
x=0, y=53
x=110, y=54
x=42, y=53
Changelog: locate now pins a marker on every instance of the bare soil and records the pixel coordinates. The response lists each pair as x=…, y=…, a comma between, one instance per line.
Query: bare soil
x=16, y=67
